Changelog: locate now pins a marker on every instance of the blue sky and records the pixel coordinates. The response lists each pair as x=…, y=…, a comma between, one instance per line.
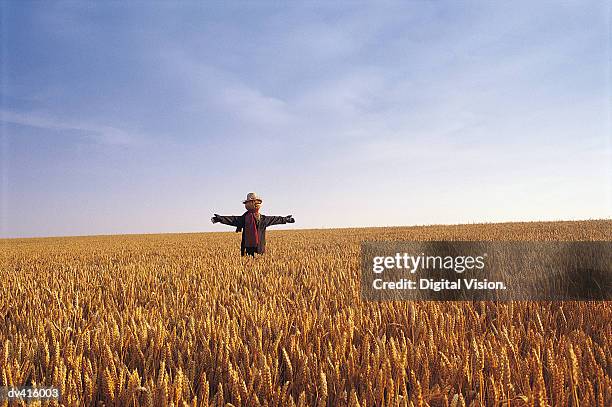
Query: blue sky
x=151, y=116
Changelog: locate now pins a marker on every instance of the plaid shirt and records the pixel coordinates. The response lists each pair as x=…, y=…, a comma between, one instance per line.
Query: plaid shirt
x=262, y=223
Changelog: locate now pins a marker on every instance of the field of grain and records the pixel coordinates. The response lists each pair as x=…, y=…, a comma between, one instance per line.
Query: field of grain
x=181, y=319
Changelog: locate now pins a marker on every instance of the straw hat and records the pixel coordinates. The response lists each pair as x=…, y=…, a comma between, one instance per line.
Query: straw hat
x=252, y=196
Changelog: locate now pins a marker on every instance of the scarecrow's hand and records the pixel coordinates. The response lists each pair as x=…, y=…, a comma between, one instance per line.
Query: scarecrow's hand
x=289, y=219
x=215, y=219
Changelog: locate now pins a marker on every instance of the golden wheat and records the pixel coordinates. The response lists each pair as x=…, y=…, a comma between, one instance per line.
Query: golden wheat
x=182, y=319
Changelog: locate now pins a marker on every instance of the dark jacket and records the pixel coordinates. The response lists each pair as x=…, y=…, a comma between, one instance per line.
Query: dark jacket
x=262, y=224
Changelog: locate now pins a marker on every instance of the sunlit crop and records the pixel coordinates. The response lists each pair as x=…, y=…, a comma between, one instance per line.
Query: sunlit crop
x=182, y=319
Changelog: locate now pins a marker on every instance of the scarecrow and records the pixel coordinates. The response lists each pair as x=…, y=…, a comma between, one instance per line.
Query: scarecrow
x=253, y=225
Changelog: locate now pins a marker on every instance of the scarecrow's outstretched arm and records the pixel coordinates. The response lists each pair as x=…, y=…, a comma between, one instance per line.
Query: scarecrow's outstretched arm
x=228, y=220
x=279, y=220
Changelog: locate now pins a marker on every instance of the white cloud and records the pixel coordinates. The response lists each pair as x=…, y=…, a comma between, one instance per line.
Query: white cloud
x=254, y=108
x=102, y=134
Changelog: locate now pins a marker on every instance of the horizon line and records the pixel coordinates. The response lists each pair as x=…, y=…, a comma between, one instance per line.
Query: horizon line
x=307, y=229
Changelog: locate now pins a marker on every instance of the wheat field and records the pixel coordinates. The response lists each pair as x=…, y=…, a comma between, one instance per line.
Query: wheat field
x=182, y=319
